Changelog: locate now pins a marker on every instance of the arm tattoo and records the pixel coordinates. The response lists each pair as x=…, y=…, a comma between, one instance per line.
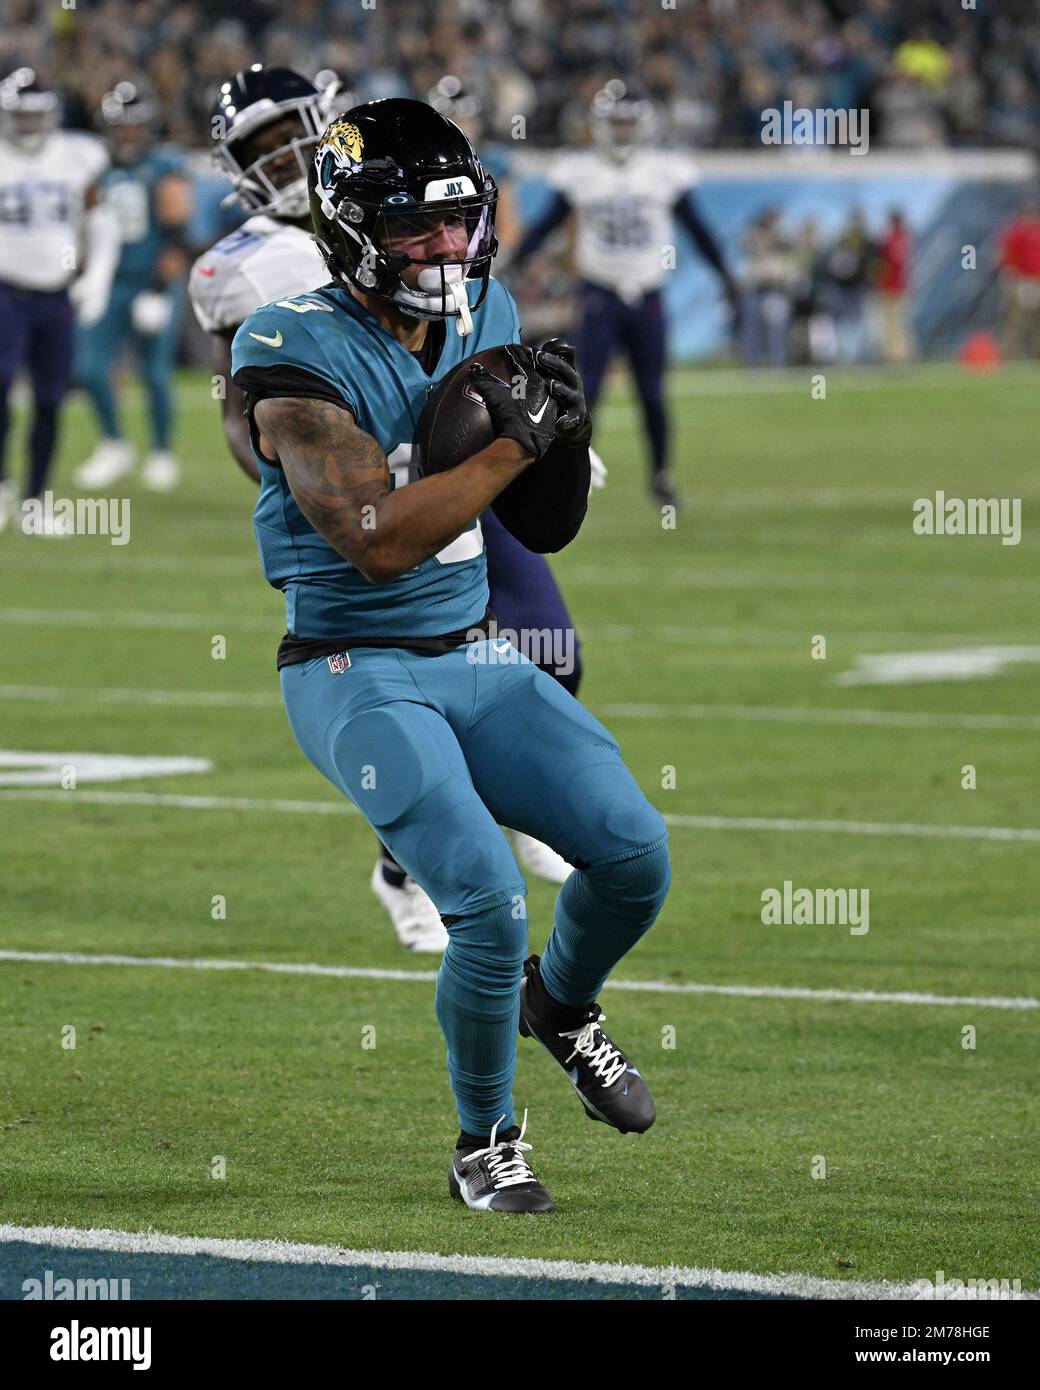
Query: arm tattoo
x=337, y=473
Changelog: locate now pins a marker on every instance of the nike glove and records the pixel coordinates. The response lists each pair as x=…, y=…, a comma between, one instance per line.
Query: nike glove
x=556, y=359
x=523, y=409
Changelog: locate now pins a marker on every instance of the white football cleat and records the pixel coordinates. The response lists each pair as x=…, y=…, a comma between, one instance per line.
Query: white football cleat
x=161, y=472
x=8, y=505
x=111, y=460
x=416, y=921
x=539, y=859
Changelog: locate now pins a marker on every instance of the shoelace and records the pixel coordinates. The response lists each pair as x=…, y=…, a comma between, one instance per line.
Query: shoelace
x=505, y=1161
x=604, y=1059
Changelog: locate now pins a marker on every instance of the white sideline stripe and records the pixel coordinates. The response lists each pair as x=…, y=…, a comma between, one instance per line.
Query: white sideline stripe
x=1005, y=833
x=490, y=1266
x=148, y=563
x=795, y=714
x=355, y=972
x=620, y=632
x=781, y=714
x=1011, y=834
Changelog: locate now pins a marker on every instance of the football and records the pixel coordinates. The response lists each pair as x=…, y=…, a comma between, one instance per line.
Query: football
x=543, y=507
x=455, y=423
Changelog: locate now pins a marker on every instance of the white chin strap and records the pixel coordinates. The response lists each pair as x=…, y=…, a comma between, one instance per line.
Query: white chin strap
x=447, y=298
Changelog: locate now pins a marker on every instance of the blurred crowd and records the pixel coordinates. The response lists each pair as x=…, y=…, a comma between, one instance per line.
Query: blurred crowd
x=845, y=300
x=931, y=72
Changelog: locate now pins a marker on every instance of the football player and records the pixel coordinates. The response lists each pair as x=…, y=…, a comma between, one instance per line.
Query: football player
x=58, y=246
x=266, y=126
x=625, y=197
x=436, y=734
x=149, y=190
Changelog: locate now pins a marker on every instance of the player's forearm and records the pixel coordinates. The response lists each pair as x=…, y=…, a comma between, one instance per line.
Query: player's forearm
x=236, y=436
x=410, y=525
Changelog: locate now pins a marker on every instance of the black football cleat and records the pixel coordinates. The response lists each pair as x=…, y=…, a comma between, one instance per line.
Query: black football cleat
x=497, y=1177
x=608, y=1085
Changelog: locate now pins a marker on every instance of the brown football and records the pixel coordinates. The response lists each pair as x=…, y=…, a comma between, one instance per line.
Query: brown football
x=455, y=423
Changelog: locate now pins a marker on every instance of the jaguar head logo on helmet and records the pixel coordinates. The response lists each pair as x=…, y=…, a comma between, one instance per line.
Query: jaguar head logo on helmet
x=404, y=210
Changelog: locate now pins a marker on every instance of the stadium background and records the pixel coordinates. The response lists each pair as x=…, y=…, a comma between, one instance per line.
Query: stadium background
x=951, y=92
x=697, y=653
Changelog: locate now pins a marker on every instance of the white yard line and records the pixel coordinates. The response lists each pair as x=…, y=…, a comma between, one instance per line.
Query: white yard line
x=488, y=1266
x=779, y=714
x=217, y=621
x=177, y=801
x=356, y=972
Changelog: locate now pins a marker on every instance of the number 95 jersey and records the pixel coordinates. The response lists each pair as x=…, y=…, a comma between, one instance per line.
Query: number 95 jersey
x=327, y=345
x=624, y=214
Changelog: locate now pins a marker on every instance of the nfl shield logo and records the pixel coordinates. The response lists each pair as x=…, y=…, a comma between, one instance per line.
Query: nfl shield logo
x=339, y=662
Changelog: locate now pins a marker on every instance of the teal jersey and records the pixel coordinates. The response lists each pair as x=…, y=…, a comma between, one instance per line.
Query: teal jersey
x=130, y=189
x=329, y=335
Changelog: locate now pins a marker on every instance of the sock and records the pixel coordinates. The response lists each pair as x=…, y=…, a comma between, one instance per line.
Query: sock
x=601, y=912
x=467, y=1143
x=543, y=1002
x=478, y=1008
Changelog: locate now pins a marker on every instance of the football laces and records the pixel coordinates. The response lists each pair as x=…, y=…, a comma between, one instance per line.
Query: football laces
x=604, y=1059
x=505, y=1161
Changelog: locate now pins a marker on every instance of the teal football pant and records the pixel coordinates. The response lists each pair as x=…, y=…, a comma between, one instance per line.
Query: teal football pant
x=438, y=751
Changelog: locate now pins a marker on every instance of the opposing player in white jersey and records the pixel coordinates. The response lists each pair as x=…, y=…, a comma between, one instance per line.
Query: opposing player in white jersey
x=58, y=249
x=626, y=197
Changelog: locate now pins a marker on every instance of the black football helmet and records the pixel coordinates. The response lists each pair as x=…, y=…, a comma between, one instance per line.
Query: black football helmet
x=273, y=181
x=29, y=111
x=391, y=169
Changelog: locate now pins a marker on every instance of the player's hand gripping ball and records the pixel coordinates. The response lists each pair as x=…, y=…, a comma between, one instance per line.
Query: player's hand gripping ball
x=496, y=394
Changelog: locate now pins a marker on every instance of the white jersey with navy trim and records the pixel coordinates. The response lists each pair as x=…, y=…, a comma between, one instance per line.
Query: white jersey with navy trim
x=42, y=206
x=624, y=214
x=259, y=262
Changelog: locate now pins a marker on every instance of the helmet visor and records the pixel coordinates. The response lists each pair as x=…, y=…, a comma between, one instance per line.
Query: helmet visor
x=456, y=231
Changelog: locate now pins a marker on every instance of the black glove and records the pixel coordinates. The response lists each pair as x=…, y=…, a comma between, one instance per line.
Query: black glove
x=523, y=409
x=556, y=359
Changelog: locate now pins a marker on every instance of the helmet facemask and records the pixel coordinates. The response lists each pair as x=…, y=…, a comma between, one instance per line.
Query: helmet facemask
x=274, y=181
x=367, y=237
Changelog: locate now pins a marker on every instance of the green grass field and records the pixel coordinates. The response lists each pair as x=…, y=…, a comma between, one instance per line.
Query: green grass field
x=798, y=524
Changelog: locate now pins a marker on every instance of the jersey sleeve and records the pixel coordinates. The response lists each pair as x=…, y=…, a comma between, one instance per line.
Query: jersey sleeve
x=223, y=295
x=277, y=352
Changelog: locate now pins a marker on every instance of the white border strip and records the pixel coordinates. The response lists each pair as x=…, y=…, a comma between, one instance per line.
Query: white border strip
x=1005, y=834
x=781, y=714
x=285, y=1252
x=357, y=972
